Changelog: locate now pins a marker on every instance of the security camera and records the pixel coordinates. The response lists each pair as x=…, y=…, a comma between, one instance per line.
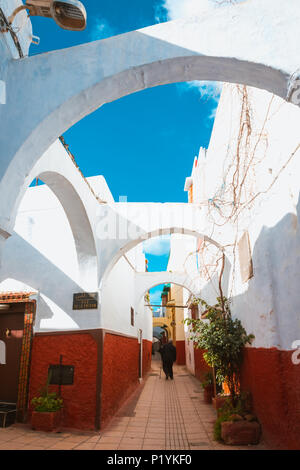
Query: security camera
x=68, y=14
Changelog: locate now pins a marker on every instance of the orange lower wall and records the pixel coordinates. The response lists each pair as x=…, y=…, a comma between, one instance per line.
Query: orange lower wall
x=119, y=376
x=79, y=350
x=120, y=372
x=180, y=352
x=274, y=382
x=147, y=356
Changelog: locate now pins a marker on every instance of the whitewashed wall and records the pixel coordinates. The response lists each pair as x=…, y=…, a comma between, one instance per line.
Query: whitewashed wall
x=7, y=46
x=41, y=257
x=268, y=304
x=118, y=296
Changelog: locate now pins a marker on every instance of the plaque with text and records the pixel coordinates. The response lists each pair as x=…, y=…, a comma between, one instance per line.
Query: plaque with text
x=85, y=300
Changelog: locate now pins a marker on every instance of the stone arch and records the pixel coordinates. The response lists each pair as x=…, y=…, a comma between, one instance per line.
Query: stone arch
x=147, y=281
x=119, y=250
x=58, y=172
x=79, y=222
x=163, y=326
x=203, y=48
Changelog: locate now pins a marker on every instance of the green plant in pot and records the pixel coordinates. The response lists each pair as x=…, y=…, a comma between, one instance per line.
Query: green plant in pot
x=208, y=387
x=236, y=425
x=46, y=415
x=223, y=339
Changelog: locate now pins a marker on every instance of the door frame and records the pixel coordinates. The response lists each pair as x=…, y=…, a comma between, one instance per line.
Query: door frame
x=24, y=370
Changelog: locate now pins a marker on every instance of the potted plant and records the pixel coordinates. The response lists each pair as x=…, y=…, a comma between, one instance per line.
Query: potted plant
x=236, y=425
x=208, y=387
x=219, y=400
x=47, y=408
x=223, y=340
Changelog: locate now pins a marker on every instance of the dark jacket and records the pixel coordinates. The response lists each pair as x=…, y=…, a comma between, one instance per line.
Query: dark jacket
x=168, y=352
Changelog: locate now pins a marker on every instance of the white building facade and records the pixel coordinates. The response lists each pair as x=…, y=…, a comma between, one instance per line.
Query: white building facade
x=70, y=237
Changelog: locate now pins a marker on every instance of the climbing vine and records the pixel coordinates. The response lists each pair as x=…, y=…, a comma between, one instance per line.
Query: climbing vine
x=233, y=201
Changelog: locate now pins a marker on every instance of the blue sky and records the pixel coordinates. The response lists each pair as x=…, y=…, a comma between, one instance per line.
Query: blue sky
x=144, y=144
x=157, y=251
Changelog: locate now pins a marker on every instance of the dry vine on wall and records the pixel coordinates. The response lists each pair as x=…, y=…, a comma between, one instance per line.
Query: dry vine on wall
x=234, y=201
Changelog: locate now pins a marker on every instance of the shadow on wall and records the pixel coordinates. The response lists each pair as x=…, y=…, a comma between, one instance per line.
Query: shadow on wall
x=270, y=310
x=29, y=266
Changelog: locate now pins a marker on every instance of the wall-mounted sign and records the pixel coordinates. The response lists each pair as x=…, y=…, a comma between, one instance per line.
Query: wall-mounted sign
x=85, y=300
x=61, y=374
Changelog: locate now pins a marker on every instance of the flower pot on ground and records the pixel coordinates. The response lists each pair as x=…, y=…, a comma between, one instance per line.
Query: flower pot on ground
x=208, y=393
x=48, y=421
x=219, y=401
x=208, y=387
x=47, y=410
x=236, y=425
x=241, y=432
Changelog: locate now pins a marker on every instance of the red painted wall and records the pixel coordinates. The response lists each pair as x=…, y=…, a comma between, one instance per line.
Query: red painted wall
x=79, y=350
x=147, y=356
x=120, y=373
x=201, y=366
x=274, y=382
x=180, y=352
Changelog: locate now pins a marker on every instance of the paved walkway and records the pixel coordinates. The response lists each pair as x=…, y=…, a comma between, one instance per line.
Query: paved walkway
x=165, y=415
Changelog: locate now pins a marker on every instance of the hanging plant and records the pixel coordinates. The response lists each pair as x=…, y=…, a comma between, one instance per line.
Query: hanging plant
x=223, y=340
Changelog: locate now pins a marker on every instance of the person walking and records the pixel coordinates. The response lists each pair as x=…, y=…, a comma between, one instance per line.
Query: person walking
x=168, y=356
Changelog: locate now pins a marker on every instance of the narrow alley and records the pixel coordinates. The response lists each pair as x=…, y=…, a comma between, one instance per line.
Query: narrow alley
x=149, y=212
x=161, y=415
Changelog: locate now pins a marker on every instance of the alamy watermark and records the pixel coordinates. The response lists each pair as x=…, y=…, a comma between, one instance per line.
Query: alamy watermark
x=296, y=354
x=294, y=90
x=140, y=221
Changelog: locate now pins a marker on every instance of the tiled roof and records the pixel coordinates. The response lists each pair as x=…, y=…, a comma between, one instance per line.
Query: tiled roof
x=15, y=296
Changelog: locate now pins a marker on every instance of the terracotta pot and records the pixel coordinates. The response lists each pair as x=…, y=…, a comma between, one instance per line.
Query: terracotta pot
x=240, y=432
x=219, y=401
x=46, y=421
x=208, y=393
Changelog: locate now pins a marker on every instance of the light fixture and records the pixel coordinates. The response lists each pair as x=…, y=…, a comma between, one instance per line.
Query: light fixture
x=68, y=14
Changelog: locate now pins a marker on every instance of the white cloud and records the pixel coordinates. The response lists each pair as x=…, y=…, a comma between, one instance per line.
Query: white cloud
x=209, y=90
x=100, y=30
x=174, y=9
x=157, y=246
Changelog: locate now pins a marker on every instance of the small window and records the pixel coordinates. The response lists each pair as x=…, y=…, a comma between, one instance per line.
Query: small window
x=132, y=316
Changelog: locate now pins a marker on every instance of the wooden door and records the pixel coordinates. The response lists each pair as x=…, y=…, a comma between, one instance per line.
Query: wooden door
x=11, y=334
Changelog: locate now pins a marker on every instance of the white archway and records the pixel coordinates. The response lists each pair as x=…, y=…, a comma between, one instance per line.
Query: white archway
x=56, y=169
x=146, y=281
x=225, y=45
x=79, y=222
x=118, y=248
